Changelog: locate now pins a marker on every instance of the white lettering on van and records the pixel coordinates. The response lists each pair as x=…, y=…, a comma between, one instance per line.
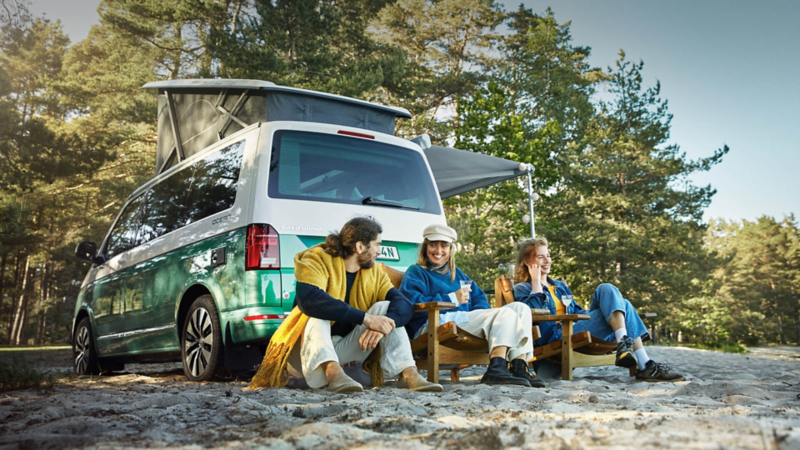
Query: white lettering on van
x=299, y=228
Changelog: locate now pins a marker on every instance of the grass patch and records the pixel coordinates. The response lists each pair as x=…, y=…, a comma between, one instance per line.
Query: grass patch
x=726, y=347
x=18, y=373
x=19, y=348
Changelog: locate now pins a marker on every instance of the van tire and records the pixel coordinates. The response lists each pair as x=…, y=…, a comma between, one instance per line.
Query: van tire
x=201, y=340
x=84, y=351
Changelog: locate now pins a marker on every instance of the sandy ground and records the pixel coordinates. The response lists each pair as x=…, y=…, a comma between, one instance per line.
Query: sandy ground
x=728, y=401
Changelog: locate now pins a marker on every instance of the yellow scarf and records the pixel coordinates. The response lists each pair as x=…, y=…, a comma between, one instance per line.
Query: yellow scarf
x=317, y=268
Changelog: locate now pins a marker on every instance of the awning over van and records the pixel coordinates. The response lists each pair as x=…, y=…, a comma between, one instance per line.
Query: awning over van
x=459, y=171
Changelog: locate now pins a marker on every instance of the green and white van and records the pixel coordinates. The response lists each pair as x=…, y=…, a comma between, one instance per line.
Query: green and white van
x=198, y=265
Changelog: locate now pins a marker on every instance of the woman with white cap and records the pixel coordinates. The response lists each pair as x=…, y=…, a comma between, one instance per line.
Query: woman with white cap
x=435, y=278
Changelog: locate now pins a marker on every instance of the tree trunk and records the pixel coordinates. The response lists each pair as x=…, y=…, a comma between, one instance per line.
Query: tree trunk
x=781, y=335
x=797, y=330
x=17, y=264
x=42, y=305
x=20, y=335
x=2, y=284
x=18, y=314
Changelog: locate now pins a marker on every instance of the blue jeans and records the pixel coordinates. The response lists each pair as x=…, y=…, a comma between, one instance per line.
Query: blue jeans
x=606, y=300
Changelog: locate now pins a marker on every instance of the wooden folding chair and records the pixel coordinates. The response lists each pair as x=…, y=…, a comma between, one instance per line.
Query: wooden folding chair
x=573, y=350
x=445, y=346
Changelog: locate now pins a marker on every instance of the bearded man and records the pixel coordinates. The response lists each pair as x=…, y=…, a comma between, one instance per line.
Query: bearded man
x=346, y=308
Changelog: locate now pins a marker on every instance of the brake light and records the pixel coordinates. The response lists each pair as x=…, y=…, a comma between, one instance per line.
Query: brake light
x=262, y=249
x=350, y=133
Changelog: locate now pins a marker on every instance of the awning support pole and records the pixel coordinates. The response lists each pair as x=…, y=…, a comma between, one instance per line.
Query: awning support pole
x=530, y=204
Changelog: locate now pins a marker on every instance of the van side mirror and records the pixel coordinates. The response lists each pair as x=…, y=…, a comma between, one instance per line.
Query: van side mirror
x=86, y=251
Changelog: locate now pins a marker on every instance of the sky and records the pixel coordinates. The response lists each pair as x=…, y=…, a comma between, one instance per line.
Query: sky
x=729, y=69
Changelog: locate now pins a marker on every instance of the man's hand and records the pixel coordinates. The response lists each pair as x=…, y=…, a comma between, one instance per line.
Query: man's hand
x=369, y=339
x=381, y=324
x=536, y=277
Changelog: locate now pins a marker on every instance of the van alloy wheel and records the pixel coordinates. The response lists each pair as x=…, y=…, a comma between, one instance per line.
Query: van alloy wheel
x=84, y=354
x=81, y=344
x=201, y=340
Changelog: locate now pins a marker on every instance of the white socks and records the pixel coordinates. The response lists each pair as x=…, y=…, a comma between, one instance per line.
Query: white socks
x=619, y=334
x=642, y=357
x=641, y=354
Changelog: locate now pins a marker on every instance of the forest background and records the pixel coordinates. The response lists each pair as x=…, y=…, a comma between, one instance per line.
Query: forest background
x=78, y=135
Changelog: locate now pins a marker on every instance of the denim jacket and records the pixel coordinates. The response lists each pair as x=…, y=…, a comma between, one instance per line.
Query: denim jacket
x=550, y=331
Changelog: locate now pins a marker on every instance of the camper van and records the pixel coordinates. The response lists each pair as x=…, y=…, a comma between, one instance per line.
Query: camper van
x=198, y=264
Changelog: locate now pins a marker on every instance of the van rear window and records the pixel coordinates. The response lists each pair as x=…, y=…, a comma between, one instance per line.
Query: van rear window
x=339, y=169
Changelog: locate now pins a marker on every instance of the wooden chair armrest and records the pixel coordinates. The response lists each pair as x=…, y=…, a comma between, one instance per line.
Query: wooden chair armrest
x=561, y=317
x=540, y=311
x=648, y=315
x=433, y=306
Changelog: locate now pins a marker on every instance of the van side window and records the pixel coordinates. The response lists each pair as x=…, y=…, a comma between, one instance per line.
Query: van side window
x=166, y=205
x=215, y=181
x=123, y=235
x=206, y=187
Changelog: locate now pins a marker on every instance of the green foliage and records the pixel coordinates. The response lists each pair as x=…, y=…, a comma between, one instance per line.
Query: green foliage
x=626, y=213
x=277, y=44
x=536, y=105
x=78, y=135
x=550, y=77
x=446, y=45
x=758, y=278
x=12, y=224
x=18, y=374
x=33, y=148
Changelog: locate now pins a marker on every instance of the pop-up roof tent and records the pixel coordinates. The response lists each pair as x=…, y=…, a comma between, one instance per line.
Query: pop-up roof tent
x=193, y=114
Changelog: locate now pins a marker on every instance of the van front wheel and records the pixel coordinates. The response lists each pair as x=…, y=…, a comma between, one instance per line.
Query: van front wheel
x=201, y=340
x=84, y=353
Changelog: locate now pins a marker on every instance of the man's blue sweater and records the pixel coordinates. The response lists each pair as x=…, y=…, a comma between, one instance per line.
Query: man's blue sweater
x=421, y=285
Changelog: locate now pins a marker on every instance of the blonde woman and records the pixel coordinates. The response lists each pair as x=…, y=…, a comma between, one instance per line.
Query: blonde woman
x=612, y=317
x=435, y=278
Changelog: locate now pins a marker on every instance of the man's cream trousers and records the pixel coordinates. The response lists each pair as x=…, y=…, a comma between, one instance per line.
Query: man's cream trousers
x=508, y=326
x=317, y=346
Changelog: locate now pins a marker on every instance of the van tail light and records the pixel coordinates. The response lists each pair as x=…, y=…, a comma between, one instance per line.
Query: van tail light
x=262, y=249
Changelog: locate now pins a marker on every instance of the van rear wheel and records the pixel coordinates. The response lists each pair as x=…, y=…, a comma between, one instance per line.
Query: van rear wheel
x=201, y=340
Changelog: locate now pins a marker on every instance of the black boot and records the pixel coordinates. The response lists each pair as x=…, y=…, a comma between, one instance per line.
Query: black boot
x=498, y=373
x=519, y=368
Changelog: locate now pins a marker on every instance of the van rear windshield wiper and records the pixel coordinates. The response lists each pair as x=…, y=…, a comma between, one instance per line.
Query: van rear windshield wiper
x=376, y=202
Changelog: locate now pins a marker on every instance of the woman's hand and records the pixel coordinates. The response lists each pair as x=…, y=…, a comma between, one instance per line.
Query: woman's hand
x=536, y=277
x=462, y=295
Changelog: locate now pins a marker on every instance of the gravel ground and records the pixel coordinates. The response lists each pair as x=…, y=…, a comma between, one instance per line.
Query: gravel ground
x=728, y=401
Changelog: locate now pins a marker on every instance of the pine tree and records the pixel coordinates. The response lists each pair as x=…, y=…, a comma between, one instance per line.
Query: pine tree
x=758, y=281
x=625, y=212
